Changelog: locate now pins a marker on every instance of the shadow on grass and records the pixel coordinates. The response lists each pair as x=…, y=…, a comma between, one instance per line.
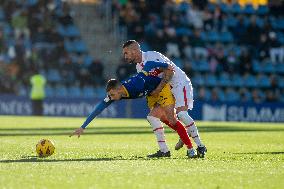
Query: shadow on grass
x=30, y=159
x=262, y=153
x=121, y=130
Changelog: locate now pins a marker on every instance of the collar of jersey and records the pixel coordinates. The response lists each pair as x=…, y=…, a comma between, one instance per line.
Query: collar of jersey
x=126, y=91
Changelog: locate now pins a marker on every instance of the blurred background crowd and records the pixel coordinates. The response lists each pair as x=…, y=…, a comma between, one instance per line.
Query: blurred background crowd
x=231, y=52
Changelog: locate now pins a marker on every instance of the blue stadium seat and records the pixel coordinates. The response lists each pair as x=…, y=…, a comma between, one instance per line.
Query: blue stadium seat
x=248, y=9
x=23, y=91
x=212, y=36
x=183, y=6
x=263, y=81
x=281, y=82
x=262, y=10
x=88, y=92
x=80, y=46
x=279, y=68
x=100, y=92
x=74, y=91
x=211, y=80
x=224, y=7
x=53, y=75
x=226, y=37
x=236, y=8
x=224, y=80
x=256, y=66
x=250, y=81
x=61, y=91
x=71, y=31
x=203, y=66
x=231, y=21
x=198, y=80
x=268, y=67
x=69, y=46
x=49, y=91
x=181, y=31
x=221, y=95
x=88, y=60
x=237, y=81
x=232, y=96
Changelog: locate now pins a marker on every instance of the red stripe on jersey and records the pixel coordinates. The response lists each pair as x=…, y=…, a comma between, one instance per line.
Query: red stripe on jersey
x=155, y=72
x=158, y=128
x=184, y=96
x=190, y=124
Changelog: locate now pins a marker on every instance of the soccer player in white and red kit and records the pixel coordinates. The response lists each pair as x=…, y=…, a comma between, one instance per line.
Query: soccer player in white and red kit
x=181, y=88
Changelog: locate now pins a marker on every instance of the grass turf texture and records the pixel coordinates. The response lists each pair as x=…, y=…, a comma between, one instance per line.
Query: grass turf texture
x=112, y=154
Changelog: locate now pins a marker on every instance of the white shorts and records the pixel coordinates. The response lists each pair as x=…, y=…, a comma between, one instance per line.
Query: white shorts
x=183, y=94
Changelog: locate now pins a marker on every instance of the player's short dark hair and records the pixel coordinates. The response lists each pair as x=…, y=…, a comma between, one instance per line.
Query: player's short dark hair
x=128, y=43
x=112, y=84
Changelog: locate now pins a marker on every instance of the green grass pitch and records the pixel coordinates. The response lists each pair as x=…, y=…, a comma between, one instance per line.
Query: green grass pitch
x=112, y=154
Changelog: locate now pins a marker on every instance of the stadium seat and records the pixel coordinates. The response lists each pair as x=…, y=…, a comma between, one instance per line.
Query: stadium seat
x=74, y=91
x=248, y=9
x=226, y=37
x=237, y=81
x=263, y=81
x=250, y=81
x=53, y=75
x=88, y=92
x=71, y=31
x=262, y=10
x=100, y=92
x=224, y=80
x=80, y=47
x=232, y=96
x=211, y=80
x=49, y=91
x=198, y=80
x=221, y=95
x=236, y=8
x=61, y=91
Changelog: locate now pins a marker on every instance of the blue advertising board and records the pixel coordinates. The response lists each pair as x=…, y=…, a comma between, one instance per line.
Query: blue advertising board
x=81, y=107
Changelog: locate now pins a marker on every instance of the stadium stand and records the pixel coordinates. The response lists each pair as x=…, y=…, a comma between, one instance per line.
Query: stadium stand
x=231, y=52
x=236, y=53
x=42, y=34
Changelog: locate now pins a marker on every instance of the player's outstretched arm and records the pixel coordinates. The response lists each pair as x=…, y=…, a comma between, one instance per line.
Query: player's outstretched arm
x=99, y=108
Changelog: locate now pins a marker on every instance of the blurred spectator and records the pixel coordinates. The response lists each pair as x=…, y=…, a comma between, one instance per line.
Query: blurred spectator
x=198, y=45
x=96, y=70
x=37, y=92
x=256, y=96
x=245, y=62
x=252, y=33
x=124, y=70
x=263, y=47
x=20, y=23
x=276, y=50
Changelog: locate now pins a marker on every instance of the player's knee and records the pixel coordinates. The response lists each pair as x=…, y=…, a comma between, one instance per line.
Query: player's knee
x=154, y=121
x=183, y=115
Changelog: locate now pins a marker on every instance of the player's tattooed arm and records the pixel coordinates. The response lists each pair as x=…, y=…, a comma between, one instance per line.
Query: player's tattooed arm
x=168, y=74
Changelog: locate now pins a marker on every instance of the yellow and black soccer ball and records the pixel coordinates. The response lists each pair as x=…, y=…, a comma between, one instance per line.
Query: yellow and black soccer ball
x=45, y=148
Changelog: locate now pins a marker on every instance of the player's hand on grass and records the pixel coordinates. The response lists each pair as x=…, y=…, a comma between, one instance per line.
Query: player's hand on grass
x=77, y=132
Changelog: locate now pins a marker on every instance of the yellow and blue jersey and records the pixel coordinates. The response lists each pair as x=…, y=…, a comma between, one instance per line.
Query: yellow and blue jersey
x=140, y=85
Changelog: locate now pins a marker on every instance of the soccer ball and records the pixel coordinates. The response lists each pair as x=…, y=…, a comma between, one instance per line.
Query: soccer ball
x=45, y=148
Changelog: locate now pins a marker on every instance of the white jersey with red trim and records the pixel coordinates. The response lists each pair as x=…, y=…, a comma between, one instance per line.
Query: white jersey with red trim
x=181, y=85
x=179, y=76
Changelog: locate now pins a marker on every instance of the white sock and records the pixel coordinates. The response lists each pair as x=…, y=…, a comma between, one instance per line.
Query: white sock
x=190, y=127
x=159, y=132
